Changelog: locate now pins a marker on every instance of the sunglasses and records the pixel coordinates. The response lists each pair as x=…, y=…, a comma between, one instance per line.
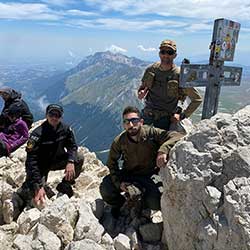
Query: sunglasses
x=167, y=52
x=133, y=120
x=54, y=114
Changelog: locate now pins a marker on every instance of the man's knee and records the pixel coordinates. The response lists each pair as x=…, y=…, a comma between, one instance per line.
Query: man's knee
x=110, y=193
x=106, y=187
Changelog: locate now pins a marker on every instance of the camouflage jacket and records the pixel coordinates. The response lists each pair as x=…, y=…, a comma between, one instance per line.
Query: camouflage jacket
x=139, y=158
x=164, y=91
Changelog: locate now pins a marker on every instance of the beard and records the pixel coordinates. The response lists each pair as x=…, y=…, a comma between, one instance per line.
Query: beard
x=167, y=60
x=133, y=131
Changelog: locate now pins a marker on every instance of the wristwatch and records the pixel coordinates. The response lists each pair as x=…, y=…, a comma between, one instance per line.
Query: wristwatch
x=71, y=161
x=182, y=116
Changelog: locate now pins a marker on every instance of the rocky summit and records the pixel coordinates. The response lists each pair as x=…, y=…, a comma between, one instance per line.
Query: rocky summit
x=205, y=202
x=206, y=199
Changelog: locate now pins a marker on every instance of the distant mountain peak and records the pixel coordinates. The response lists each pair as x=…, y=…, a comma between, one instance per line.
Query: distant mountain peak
x=113, y=57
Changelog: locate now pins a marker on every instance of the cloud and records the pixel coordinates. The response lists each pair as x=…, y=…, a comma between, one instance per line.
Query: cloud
x=81, y=13
x=199, y=27
x=42, y=102
x=27, y=12
x=127, y=25
x=206, y=9
x=59, y=2
x=140, y=47
x=116, y=49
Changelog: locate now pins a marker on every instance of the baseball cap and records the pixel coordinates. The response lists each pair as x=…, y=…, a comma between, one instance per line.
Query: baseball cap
x=54, y=107
x=168, y=43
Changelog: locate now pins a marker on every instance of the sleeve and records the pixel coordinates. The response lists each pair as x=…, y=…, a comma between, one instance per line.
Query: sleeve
x=71, y=145
x=165, y=139
x=148, y=78
x=32, y=169
x=112, y=163
x=195, y=98
x=23, y=132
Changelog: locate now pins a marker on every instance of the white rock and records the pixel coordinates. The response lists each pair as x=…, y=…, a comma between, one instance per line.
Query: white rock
x=122, y=242
x=85, y=244
x=88, y=225
x=45, y=239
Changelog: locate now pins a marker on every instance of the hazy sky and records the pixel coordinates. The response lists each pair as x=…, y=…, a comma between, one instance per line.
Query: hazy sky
x=57, y=29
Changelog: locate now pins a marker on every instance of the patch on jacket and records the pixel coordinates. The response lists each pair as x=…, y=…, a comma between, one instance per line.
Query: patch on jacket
x=31, y=143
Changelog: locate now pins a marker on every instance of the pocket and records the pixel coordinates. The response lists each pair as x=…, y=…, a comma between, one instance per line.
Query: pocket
x=172, y=88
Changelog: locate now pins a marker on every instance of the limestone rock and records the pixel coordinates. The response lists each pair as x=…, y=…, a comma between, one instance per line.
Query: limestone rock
x=45, y=239
x=206, y=186
x=151, y=232
x=23, y=242
x=85, y=244
x=59, y=217
x=88, y=225
x=28, y=219
x=122, y=242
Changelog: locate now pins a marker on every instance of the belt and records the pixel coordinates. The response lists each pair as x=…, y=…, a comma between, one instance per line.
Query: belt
x=155, y=114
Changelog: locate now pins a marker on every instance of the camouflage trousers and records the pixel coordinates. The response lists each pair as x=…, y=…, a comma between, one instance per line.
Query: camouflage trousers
x=150, y=198
x=23, y=196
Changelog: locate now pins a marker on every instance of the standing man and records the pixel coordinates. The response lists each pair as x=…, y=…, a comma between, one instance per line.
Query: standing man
x=51, y=147
x=160, y=88
x=141, y=148
x=13, y=98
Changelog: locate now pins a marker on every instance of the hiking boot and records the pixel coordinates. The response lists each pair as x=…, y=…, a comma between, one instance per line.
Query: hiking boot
x=65, y=188
x=8, y=211
x=49, y=192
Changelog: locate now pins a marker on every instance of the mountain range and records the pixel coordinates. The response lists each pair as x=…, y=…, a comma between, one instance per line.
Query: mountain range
x=94, y=93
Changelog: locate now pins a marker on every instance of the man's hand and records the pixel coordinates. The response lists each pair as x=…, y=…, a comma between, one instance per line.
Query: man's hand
x=142, y=93
x=161, y=160
x=39, y=198
x=175, y=118
x=123, y=186
x=69, y=171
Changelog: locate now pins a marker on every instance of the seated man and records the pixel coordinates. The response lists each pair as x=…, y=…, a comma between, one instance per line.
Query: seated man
x=14, y=98
x=141, y=148
x=15, y=135
x=51, y=146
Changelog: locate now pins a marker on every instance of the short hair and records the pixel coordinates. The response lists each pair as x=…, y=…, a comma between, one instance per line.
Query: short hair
x=131, y=109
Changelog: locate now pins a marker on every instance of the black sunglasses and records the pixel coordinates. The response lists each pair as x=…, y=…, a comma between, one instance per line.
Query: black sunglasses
x=167, y=52
x=54, y=114
x=133, y=120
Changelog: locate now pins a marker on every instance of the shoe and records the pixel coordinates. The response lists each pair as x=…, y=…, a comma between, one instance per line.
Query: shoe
x=49, y=192
x=8, y=211
x=65, y=188
x=115, y=211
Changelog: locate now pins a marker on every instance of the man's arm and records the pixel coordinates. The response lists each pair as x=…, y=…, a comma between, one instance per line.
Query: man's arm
x=112, y=163
x=166, y=140
x=195, y=98
x=32, y=168
x=146, y=82
x=71, y=145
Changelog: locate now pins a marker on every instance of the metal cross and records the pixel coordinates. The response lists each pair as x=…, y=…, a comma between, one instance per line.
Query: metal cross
x=215, y=74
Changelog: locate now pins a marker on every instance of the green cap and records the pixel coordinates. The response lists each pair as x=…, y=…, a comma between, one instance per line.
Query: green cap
x=168, y=43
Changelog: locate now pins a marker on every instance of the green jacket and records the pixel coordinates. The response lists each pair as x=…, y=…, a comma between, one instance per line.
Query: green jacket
x=139, y=158
x=164, y=91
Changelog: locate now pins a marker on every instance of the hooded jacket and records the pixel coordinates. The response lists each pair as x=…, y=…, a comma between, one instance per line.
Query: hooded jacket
x=17, y=101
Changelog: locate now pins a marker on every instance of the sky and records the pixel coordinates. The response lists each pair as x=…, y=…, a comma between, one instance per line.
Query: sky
x=61, y=29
